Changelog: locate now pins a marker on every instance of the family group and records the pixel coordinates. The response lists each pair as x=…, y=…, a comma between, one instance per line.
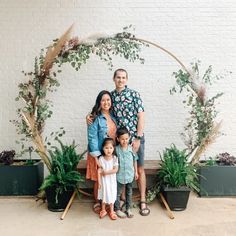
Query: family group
x=116, y=149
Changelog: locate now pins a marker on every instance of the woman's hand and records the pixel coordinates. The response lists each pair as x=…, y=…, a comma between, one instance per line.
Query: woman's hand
x=97, y=162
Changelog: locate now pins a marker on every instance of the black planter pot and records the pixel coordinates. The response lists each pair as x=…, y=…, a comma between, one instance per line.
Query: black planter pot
x=62, y=198
x=177, y=198
x=19, y=180
x=217, y=181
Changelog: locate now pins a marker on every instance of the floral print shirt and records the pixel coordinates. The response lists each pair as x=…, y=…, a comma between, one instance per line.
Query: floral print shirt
x=126, y=106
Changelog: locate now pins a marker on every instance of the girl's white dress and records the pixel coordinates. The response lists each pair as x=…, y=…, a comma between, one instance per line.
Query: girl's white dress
x=108, y=191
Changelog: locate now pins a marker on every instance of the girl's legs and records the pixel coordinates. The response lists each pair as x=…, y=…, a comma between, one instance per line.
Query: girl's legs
x=103, y=212
x=103, y=206
x=112, y=214
x=111, y=207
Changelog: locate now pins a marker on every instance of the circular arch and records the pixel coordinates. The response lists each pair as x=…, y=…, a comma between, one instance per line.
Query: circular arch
x=33, y=114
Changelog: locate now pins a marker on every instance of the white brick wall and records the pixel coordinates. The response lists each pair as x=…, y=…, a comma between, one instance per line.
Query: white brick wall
x=191, y=29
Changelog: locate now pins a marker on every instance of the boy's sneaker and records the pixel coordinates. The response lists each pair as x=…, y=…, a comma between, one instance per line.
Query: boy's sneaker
x=129, y=213
x=120, y=214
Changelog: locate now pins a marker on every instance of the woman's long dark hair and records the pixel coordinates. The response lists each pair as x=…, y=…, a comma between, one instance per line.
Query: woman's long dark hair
x=96, y=109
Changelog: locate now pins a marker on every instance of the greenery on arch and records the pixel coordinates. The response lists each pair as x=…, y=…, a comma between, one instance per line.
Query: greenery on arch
x=43, y=79
x=201, y=128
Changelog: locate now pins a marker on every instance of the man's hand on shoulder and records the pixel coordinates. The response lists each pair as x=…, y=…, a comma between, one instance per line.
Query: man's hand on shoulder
x=89, y=119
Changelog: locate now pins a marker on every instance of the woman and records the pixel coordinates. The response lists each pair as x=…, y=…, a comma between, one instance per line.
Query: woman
x=104, y=126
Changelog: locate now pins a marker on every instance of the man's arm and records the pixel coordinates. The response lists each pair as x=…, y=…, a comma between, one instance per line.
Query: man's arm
x=89, y=119
x=135, y=170
x=140, y=129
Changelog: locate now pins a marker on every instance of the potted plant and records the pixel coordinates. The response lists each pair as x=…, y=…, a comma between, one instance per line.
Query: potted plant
x=20, y=177
x=217, y=176
x=63, y=178
x=175, y=178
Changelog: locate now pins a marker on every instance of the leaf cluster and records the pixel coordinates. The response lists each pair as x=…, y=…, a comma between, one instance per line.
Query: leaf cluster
x=201, y=108
x=7, y=157
x=225, y=159
x=40, y=82
x=175, y=171
x=63, y=174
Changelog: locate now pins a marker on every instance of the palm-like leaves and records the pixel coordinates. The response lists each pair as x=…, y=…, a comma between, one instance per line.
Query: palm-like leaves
x=63, y=173
x=176, y=171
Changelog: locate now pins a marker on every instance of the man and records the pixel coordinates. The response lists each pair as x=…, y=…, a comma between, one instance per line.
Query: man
x=129, y=112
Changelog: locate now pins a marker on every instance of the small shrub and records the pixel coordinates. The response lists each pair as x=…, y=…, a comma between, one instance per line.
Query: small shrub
x=225, y=159
x=7, y=157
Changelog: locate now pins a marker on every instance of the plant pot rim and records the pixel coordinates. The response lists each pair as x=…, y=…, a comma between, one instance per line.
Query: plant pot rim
x=21, y=162
x=216, y=165
x=182, y=188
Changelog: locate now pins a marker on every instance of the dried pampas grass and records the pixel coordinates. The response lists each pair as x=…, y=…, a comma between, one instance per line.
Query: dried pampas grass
x=211, y=137
x=36, y=138
x=53, y=51
x=93, y=38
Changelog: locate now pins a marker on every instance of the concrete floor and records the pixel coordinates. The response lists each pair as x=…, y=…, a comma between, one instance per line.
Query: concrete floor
x=203, y=216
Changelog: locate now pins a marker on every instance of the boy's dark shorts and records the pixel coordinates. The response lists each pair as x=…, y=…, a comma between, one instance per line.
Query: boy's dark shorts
x=140, y=152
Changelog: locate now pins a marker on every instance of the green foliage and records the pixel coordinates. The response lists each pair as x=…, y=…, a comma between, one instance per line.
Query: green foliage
x=75, y=56
x=175, y=171
x=63, y=174
x=211, y=162
x=201, y=109
x=34, y=92
x=123, y=44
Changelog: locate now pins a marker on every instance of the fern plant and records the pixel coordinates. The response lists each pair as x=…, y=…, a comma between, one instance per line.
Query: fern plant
x=175, y=171
x=63, y=174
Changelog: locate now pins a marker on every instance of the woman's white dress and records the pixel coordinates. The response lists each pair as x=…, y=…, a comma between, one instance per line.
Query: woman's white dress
x=108, y=191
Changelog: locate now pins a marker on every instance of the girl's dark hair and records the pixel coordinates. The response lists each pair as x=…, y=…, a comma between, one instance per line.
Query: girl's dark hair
x=108, y=140
x=121, y=70
x=96, y=109
x=121, y=131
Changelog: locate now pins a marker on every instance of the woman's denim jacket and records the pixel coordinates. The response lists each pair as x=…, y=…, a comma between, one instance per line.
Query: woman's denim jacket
x=97, y=132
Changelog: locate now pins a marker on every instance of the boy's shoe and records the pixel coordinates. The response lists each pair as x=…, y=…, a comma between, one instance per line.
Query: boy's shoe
x=129, y=213
x=120, y=214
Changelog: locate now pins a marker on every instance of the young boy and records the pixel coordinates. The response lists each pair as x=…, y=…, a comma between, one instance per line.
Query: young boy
x=126, y=173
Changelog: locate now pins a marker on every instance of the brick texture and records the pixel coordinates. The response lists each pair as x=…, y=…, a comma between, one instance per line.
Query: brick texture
x=205, y=30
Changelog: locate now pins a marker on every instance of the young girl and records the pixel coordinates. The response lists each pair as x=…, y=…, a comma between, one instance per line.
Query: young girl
x=107, y=185
x=127, y=171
